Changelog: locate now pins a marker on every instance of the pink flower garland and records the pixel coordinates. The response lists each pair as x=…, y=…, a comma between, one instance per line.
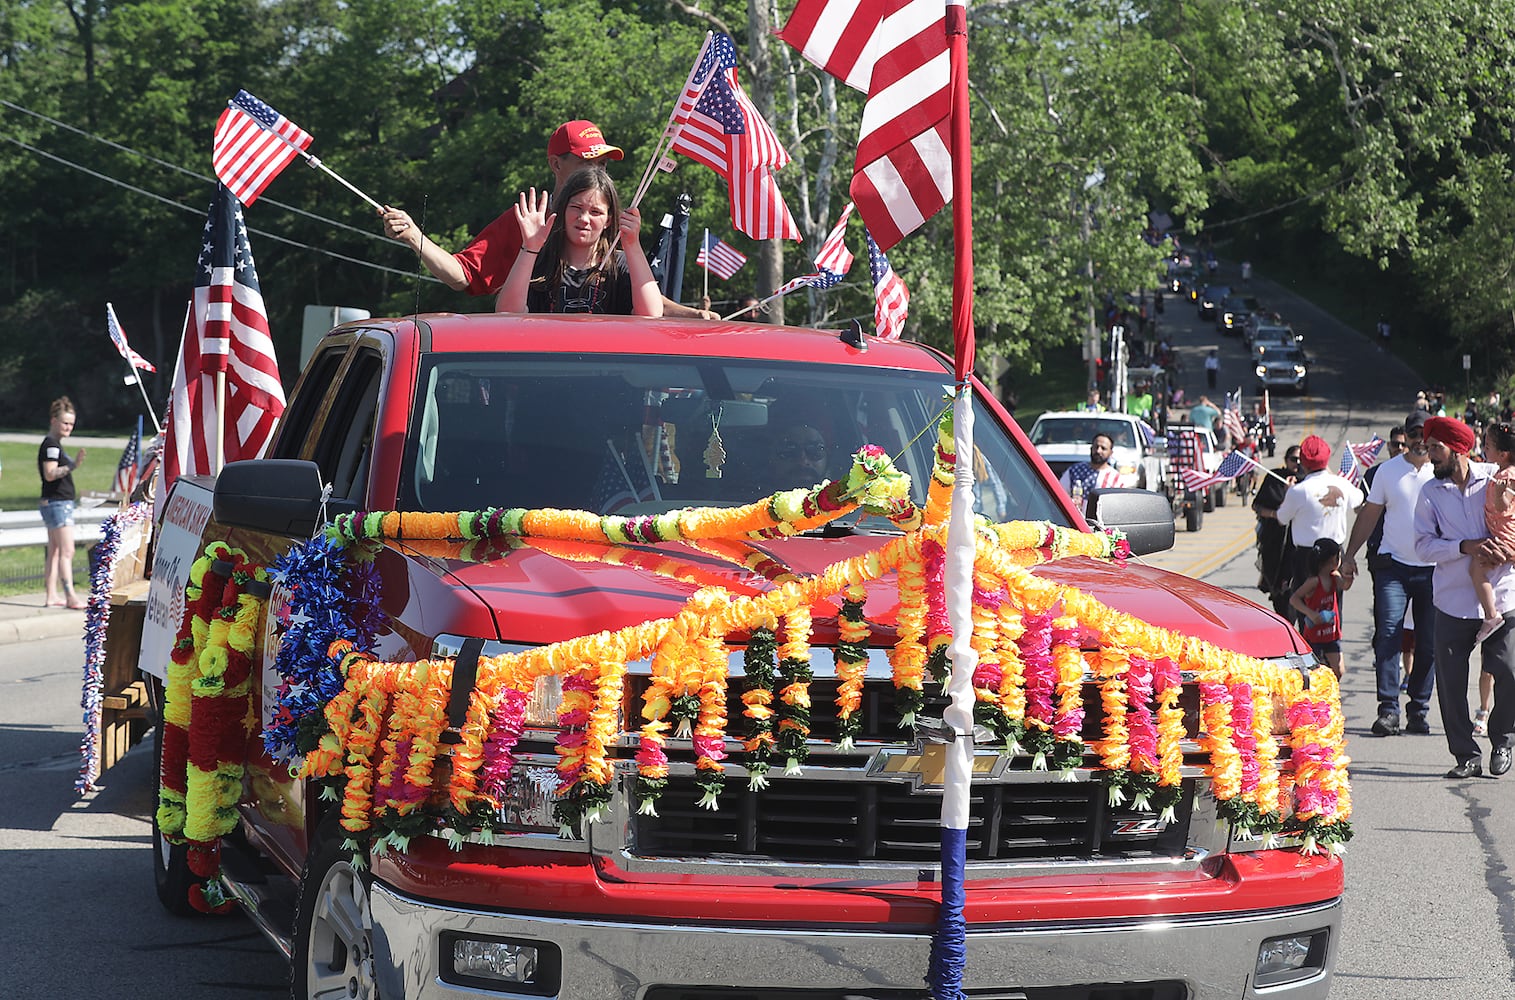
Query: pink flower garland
x=506, y=723
x=1139, y=720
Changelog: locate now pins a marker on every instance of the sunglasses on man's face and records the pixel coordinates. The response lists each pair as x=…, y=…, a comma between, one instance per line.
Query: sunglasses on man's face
x=1290, y=459
x=789, y=451
x=1398, y=443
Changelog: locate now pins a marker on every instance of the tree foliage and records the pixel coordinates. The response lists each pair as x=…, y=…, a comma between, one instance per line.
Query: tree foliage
x=1379, y=128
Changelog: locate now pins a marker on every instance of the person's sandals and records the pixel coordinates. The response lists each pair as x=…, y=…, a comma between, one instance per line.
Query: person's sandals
x=1488, y=628
x=1481, y=722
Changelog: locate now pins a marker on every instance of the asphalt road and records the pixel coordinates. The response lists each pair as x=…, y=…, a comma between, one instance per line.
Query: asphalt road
x=1430, y=902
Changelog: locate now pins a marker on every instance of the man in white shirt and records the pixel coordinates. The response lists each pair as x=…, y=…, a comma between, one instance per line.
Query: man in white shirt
x=1450, y=529
x=1317, y=506
x=1400, y=580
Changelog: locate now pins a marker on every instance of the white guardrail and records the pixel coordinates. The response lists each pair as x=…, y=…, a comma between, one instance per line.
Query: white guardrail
x=24, y=527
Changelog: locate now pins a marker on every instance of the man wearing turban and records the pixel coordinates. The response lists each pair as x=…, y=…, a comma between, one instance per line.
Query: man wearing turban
x=1450, y=529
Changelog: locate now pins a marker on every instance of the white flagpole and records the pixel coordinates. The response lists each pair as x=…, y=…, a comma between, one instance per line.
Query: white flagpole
x=314, y=161
x=216, y=460
x=157, y=427
x=705, y=246
x=669, y=133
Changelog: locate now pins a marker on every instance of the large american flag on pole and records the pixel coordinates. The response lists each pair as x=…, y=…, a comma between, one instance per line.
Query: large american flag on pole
x=891, y=300
x=895, y=51
x=253, y=143
x=831, y=264
x=715, y=124
x=1231, y=420
x=118, y=337
x=226, y=331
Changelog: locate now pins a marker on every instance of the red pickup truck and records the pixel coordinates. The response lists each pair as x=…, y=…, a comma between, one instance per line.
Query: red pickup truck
x=824, y=885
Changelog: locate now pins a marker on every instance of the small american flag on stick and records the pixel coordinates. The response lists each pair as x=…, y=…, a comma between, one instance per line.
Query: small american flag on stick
x=1233, y=465
x=721, y=259
x=253, y=143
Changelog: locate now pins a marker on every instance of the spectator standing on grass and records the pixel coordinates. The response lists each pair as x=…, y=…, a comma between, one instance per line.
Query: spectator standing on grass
x=1450, y=529
x=1401, y=580
x=57, y=505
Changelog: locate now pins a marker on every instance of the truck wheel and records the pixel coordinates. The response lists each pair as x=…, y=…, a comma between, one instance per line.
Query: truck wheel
x=1193, y=514
x=1220, y=496
x=1208, y=502
x=333, y=939
x=171, y=875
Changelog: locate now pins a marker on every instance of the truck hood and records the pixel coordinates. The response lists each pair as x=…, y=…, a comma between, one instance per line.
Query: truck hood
x=560, y=591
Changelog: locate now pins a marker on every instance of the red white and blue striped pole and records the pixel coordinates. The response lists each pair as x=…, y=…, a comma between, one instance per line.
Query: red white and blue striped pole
x=949, y=946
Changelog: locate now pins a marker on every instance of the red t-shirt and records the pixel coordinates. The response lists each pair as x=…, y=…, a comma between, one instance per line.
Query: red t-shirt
x=487, y=261
x=1322, y=598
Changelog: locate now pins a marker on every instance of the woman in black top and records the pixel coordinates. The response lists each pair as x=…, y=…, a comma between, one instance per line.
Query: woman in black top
x=565, y=264
x=57, y=506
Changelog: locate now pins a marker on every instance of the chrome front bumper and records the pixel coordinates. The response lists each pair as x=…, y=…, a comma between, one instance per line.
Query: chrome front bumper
x=1214, y=956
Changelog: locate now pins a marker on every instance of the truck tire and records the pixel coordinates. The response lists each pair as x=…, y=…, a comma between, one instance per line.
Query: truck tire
x=1194, y=514
x=1208, y=501
x=172, y=877
x=332, y=953
x=1220, y=495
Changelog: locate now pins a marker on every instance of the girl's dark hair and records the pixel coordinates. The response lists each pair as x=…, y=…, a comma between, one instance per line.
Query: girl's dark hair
x=1502, y=436
x=1322, y=552
x=589, y=178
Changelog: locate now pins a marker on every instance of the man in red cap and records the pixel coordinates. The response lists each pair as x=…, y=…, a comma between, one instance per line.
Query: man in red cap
x=1449, y=530
x=481, y=267
x=1317, y=506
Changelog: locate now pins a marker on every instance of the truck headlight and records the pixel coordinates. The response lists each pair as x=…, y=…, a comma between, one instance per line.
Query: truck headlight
x=1262, y=371
x=1299, y=370
x=1292, y=958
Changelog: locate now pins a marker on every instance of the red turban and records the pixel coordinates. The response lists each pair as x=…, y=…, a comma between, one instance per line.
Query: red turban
x=1314, y=453
x=1453, y=433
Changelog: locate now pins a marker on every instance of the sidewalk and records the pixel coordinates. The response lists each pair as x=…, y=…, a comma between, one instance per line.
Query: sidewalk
x=24, y=619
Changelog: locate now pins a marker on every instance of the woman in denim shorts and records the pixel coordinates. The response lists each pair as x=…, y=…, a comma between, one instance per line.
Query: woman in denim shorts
x=58, y=495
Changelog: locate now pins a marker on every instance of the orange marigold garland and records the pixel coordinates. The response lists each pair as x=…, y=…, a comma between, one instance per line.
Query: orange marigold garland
x=907, y=657
x=794, y=690
x=851, y=666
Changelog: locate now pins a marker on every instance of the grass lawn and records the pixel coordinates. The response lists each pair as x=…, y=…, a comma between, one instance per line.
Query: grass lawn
x=21, y=568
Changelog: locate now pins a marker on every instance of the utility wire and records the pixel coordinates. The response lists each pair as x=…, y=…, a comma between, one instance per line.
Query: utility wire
x=185, y=170
x=200, y=212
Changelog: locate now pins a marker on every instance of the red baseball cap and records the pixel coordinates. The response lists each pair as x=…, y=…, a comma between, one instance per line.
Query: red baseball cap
x=582, y=139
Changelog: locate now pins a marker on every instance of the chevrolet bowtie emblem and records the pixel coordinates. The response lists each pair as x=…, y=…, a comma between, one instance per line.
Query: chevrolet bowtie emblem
x=924, y=766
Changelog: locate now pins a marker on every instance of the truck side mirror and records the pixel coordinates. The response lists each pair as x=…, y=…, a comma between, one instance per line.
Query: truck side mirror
x=1145, y=517
x=281, y=496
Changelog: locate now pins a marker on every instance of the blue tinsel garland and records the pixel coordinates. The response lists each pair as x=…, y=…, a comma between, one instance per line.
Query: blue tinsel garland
x=96, y=621
x=331, y=598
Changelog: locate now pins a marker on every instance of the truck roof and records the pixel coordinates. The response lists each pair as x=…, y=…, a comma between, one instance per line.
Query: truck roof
x=469, y=332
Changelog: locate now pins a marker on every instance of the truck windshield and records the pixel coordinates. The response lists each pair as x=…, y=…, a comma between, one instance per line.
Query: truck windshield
x=1081, y=430
x=637, y=434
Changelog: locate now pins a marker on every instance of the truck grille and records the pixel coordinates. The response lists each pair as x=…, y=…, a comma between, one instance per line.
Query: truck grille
x=801, y=820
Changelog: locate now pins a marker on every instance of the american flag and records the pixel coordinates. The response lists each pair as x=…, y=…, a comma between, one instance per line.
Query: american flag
x=831, y=264
x=1231, y=419
x=895, y=51
x=227, y=330
x=622, y=481
x=118, y=337
x=891, y=298
x=1183, y=448
x=834, y=259
x=126, y=469
x=715, y=124
x=1233, y=465
x=253, y=143
x=721, y=259
x=1356, y=458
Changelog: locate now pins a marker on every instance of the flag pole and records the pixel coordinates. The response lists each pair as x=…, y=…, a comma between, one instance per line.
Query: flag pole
x=949, y=943
x=705, y=246
x=314, y=162
x=157, y=427
x=215, y=462
x=669, y=130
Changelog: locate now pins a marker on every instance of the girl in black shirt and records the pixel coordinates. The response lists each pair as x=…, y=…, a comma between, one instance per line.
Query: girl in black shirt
x=57, y=506
x=565, y=264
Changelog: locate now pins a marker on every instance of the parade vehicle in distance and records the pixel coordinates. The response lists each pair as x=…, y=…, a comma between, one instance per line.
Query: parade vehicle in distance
x=1283, y=367
x=824, y=885
x=1062, y=438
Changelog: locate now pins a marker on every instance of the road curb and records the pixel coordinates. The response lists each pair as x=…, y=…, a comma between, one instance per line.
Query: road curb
x=55, y=624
